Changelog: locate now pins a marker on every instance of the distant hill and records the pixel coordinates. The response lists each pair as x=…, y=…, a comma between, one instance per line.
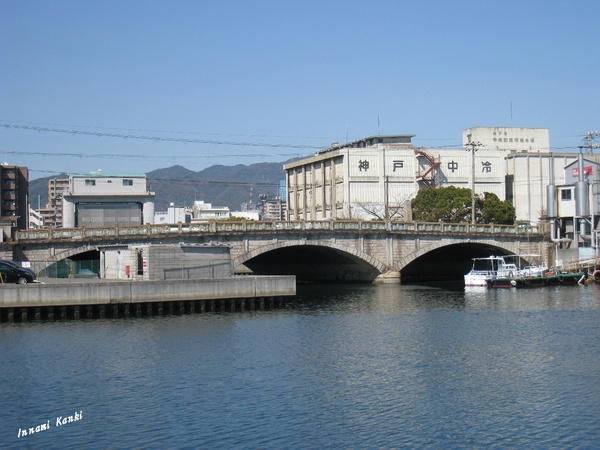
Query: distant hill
x=220, y=185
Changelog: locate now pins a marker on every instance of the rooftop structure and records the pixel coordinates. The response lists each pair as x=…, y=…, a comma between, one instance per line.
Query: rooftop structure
x=510, y=139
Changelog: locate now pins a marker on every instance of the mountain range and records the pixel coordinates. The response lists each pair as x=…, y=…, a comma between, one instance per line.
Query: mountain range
x=220, y=185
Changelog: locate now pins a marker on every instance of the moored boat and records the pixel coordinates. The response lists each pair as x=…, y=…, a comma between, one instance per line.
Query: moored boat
x=484, y=270
x=548, y=279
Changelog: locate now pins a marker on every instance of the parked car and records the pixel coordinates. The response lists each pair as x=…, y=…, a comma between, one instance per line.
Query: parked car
x=13, y=273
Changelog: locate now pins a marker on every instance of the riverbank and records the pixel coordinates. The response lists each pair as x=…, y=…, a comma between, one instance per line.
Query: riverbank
x=101, y=298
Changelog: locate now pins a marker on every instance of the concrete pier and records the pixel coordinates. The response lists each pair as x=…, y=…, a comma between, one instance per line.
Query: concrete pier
x=99, y=299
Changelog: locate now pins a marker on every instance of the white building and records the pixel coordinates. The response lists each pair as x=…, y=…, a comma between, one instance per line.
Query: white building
x=368, y=178
x=172, y=215
x=376, y=176
x=202, y=211
x=273, y=208
x=36, y=220
x=246, y=215
x=527, y=154
x=98, y=199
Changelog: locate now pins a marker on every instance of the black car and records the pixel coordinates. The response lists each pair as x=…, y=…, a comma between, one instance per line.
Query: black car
x=12, y=273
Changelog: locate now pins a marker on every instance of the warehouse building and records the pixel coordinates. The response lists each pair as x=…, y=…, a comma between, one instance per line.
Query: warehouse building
x=97, y=200
x=376, y=177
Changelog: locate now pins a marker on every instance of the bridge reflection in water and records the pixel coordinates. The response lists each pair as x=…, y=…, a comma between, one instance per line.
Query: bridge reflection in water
x=318, y=251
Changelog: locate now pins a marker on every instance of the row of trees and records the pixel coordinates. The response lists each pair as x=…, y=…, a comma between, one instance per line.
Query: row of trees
x=446, y=204
x=452, y=204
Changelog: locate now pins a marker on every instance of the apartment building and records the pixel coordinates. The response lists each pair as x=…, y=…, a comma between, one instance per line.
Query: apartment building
x=14, y=208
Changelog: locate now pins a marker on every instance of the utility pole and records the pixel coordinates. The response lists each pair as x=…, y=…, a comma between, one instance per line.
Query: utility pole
x=472, y=147
x=589, y=141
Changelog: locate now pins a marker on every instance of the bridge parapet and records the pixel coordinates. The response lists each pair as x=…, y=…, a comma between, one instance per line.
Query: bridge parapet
x=100, y=233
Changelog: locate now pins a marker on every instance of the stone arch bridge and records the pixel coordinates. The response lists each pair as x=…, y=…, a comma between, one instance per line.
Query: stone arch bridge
x=328, y=251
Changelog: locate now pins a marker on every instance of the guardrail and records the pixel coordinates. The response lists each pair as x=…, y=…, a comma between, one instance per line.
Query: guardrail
x=212, y=227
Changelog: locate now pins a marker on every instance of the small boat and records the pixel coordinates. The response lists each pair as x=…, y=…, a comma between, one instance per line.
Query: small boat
x=486, y=269
x=546, y=279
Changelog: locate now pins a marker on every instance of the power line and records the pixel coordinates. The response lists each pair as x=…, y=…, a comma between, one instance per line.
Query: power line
x=154, y=138
x=145, y=157
x=145, y=130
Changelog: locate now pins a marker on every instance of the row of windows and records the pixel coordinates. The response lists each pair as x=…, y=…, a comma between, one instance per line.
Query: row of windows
x=126, y=182
x=515, y=140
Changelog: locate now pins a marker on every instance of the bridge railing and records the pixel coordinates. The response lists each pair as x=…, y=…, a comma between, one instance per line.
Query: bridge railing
x=50, y=234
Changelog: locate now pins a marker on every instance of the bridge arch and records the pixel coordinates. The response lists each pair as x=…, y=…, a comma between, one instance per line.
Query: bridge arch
x=60, y=256
x=449, y=259
x=312, y=260
x=507, y=248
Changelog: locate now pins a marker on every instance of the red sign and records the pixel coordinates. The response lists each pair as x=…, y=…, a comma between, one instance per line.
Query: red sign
x=587, y=170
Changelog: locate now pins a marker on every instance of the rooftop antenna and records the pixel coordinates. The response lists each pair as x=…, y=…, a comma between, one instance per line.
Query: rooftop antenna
x=378, y=125
x=250, y=202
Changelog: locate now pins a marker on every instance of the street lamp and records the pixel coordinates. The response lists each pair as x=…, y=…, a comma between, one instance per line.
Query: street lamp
x=472, y=147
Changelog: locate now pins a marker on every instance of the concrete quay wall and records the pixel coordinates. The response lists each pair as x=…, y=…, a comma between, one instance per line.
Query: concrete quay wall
x=107, y=292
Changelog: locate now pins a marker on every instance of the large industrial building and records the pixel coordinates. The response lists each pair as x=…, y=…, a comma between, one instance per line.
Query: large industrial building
x=376, y=176
x=527, y=165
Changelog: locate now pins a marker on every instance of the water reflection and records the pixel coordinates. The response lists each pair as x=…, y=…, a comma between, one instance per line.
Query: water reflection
x=342, y=367
x=397, y=299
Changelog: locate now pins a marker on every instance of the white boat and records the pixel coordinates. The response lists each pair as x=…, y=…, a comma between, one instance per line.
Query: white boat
x=487, y=269
x=484, y=270
x=535, y=270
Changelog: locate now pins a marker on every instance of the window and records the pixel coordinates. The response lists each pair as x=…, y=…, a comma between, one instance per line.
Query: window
x=90, y=182
x=127, y=182
x=565, y=194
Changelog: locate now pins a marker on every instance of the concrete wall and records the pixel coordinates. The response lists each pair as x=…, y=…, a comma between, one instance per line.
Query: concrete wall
x=529, y=175
x=96, y=184
x=105, y=292
x=165, y=262
x=168, y=262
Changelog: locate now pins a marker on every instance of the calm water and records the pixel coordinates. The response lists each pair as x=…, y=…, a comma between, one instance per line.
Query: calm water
x=345, y=367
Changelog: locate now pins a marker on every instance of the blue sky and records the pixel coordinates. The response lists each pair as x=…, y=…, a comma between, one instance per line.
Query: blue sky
x=198, y=83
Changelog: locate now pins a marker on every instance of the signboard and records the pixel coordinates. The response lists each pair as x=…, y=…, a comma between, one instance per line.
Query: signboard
x=587, y=170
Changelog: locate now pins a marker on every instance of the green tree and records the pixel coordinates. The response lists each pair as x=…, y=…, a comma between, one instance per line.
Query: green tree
x=452, y=204
x=447, y=204
x=494, y=210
